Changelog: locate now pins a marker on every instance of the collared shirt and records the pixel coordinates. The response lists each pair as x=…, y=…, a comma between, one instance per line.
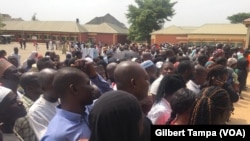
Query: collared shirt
x=155, y=85
x=193, y=87
x=160, y=112
x=67, y=126
x=113, y=85
x=27, y=103
x=22, y=126
x=40, y=114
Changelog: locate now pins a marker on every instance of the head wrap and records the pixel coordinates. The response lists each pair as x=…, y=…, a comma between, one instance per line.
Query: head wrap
x=113, y=114
x=231, y=61
x=218, y=53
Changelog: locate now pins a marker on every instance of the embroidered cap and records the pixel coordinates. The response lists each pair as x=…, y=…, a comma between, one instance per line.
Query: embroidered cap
x=147, y=64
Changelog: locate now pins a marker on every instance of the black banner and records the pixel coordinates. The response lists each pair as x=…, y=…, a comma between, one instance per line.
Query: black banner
x=201, y=132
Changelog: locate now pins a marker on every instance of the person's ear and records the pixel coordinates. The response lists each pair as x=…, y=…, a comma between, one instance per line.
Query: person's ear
x=73, y=88
x=132, y=82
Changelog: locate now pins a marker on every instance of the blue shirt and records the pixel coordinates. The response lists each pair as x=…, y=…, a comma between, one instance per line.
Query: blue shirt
x=102, y=84
x=67, y=126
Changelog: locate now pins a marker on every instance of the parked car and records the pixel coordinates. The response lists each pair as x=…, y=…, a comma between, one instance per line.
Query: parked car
x=5, y=39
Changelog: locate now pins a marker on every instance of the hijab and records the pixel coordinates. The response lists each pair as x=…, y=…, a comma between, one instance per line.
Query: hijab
x=115, y=117
x=33, y=55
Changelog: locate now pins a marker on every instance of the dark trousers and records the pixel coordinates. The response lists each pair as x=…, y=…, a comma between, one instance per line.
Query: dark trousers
x=242, y=78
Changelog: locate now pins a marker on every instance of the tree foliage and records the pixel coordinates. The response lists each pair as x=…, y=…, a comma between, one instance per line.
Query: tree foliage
x=238, y=18
x=148, y=16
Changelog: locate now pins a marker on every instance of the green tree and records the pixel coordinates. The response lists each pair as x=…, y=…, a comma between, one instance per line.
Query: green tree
x=238, y=18
x=147, y=16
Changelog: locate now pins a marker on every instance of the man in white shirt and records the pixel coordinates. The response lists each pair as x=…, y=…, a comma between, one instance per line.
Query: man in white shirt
x=44, y=108
x=200, y=76
x=166, y=69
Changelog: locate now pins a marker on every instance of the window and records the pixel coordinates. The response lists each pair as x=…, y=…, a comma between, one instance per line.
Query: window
x=63, y=38
x=239, y=44
x=211, y=43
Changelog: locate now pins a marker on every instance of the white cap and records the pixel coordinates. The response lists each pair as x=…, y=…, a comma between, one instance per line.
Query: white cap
x=134, y=59
x=4, y=92
x=88, y=59
x=159, y=64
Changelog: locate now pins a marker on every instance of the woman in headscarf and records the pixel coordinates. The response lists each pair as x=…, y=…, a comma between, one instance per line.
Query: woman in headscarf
x=116, y=116
x=33, y=55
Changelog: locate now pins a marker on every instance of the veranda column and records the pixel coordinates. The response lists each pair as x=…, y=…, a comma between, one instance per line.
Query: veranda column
x=247, y=23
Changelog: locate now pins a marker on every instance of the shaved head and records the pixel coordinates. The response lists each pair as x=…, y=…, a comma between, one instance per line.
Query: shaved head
x=46, y=77
x=112, y=65
x=199, y=69
x=200, y=74
x=131, y=77
x=125, y=71
x=110, y=70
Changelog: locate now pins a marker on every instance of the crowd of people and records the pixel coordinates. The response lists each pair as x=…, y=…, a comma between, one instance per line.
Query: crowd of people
x=119, y=91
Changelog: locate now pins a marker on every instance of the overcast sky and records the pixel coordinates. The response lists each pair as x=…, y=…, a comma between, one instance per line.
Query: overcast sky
x=188, y=12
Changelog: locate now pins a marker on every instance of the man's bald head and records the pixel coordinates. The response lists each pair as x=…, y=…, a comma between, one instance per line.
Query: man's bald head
x=29, y=78
x=131, y=77
x=46, y=77
x=200, y=74
x=73, y=88
x=146, y=56
x=111, y=66
x=110, y=70
x=67, y=76
x=29, y=81
x=125, y=71
x=199, y=69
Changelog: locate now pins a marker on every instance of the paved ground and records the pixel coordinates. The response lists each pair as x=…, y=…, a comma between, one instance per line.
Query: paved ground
x=242, y=107
x=29, y=48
